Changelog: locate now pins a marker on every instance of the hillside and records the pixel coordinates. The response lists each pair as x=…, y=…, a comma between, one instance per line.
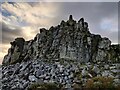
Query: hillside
x=67, y=54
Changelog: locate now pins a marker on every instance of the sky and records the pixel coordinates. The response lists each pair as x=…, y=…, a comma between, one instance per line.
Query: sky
x=24, y=19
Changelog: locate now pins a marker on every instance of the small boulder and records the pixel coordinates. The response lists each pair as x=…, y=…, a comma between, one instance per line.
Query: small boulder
x=32, y=78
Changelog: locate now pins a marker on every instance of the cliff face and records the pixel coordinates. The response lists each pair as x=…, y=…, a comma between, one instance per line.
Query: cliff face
x=67, y=54
x=69, y=40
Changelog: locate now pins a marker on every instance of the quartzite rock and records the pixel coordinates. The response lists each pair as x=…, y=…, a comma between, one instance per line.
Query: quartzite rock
x=69, y=40
x=57, y=55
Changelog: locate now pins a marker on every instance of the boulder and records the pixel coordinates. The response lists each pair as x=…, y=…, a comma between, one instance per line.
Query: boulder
x=32, y=78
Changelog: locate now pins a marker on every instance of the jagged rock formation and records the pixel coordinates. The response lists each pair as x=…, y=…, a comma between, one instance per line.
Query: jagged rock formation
x=68, y=54
x=70, y=40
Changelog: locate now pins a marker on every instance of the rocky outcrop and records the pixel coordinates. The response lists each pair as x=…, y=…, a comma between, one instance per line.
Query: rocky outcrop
x=70, y=40
x=67, y=54
x=15, y=52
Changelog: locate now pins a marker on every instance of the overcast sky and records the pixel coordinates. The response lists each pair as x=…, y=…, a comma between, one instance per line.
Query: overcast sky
x=22, y=19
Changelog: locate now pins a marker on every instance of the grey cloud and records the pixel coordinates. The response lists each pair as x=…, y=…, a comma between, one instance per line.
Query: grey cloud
x=9, y=34
x=62, y=1
x=118, y=22
x=93, y=13
x=114, y=37
x=90, y=10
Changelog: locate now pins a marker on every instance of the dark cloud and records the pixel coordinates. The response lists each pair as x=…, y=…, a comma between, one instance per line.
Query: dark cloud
x=118, y=22
x=94, y=13
x=9, y=34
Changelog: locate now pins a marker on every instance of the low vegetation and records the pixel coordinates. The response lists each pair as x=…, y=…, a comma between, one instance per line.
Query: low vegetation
x=100, y=83
x=45, y=86
x=96, y=83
